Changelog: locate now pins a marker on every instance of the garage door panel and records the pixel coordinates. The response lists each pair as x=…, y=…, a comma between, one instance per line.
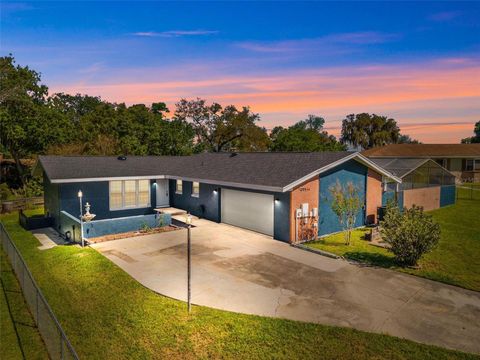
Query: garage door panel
x=248, y=210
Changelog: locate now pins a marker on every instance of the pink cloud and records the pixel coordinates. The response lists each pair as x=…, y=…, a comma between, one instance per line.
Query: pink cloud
x=440, y=92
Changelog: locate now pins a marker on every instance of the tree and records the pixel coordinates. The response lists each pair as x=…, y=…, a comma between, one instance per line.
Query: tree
x=368, y=131
x=410, y=233
x=305, y=135
x=406, y=139
x=74, y=106
x=27, y=123
x=473, y=139
x=346, y=203
x=222, y=129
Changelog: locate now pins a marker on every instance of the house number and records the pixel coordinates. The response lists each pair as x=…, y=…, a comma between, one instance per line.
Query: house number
x=304, y=189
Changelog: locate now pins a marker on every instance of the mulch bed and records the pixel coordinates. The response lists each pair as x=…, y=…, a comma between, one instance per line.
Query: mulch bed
x=132, y=234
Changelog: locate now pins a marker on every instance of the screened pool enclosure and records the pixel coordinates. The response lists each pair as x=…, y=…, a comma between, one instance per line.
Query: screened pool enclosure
x=424, y=183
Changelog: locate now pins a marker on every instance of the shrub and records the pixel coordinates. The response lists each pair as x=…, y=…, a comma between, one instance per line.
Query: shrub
x=410, y=233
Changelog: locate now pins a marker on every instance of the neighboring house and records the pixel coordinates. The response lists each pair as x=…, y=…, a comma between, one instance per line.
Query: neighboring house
x=462, y=160
x=424, y=183
x=284, y=195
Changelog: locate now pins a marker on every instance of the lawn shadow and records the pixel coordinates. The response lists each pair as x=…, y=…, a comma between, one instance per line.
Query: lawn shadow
x=369, y=258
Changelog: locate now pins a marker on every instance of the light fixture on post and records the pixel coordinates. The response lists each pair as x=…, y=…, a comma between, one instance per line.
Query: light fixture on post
x=80, y=196
x=189, y=261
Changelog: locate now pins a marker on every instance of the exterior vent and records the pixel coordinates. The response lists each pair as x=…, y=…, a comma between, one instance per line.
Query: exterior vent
x=123, y=158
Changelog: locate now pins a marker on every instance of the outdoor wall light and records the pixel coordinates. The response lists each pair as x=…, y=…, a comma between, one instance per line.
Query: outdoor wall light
x=215, y=191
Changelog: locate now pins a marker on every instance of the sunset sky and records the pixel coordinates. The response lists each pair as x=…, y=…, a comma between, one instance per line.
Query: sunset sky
x=416, y=62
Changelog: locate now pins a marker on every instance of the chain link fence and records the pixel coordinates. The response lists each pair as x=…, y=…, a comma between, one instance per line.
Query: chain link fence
x=468, y=191
x=56, y=341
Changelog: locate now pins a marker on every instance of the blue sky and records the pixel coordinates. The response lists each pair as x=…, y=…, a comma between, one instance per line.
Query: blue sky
x=416, y=62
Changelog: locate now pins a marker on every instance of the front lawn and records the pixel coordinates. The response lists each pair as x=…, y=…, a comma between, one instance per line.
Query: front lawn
x=107, y=314
x=453, y=261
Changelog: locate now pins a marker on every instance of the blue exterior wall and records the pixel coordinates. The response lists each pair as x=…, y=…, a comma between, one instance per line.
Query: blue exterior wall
x=211, y=202
x=351, y=171
x=447, y=195
x=206, y=205
x=281, y=217
x=122, y=225
x=97, y=194
x=51, y=197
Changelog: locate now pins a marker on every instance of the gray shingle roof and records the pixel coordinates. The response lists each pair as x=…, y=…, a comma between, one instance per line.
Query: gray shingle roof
x=275, y=169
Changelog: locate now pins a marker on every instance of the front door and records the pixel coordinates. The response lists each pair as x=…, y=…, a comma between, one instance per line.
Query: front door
x=163, y=200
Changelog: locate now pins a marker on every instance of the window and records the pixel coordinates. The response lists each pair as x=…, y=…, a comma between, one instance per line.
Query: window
x=477, y=164
x=143, y=193
x=129, y=194
x=179, y=187
x=195, y=189
x=116, y=201
x=469, y=165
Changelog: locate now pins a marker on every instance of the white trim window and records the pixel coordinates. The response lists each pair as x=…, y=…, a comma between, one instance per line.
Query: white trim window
x=129, y=194
x=179, y=186
x=195, y=189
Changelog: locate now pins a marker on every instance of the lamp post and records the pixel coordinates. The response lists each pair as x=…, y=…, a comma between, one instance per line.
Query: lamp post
x=80, y=195
x=189, y=261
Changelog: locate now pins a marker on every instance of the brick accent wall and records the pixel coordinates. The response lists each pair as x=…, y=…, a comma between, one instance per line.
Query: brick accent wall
x=304, y=193
x=429, y=198
x=374, y=195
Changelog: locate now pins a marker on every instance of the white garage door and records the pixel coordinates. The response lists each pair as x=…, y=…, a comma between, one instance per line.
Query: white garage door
x=248, y=210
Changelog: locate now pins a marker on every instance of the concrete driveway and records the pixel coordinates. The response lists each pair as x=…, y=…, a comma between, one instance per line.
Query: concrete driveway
x=243, y=271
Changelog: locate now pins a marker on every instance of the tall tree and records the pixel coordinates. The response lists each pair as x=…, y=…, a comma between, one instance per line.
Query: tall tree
x=473, y=139
x=222, y=129
x=368, y=131
x=27, y=123
x=305, y=135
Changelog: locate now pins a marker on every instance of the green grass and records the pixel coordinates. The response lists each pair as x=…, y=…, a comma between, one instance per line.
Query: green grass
x=454, y=261
x=107, y=314
x=19, y=336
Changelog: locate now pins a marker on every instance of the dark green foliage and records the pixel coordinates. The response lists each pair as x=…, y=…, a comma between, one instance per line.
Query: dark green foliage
x=410, y=233
x=222, y=129
x=305, y=135
x=367, y=131
x=406, y=139
x=28, y=124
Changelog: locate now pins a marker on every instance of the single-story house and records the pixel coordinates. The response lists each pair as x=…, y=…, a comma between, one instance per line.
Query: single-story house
x=424, y=183
x=284, y=195
x=462, y=160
